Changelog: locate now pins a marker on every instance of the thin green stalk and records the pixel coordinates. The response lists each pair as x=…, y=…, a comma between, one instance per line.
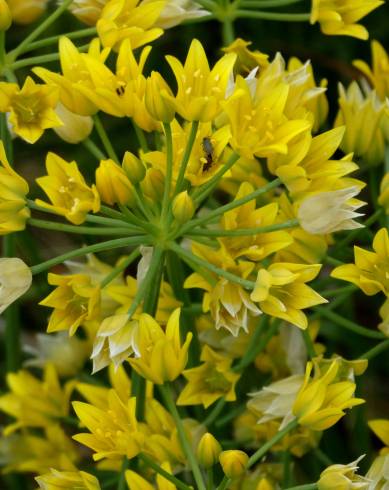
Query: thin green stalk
x=141, y=137
x=122, y=485
x=348, y=324
x=203, y=191
x=104, y=139
x=224, y=483
x=308, y=486
x=332, y=261
x=270, y=443
x=35, y=60
x=158, y=469
x=169, y=170
x=286, y=461
x=322, y=457
x=141, y=202
x=93, y=149
x=210, y=483
x=208, y=4
x=40, y=29
x=309, y=344
x=375, y=351
x=283, y=17
x=265, y=4
x=83, y=230
x=232, y=205
x=186, y=446
x=90, y=31
x=186, y=156
x=245, y=231
x=98, y=247
x=228, y=33
x=215, y=412
x=212, y=268
x=120, y=268
x=335, y=292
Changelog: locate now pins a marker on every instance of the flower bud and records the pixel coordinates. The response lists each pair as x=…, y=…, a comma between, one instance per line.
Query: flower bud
x=112, y=183
x=133, y=167
x=5, y=16
x=153, y=184
x=233, y=462
x=183, y=207
x=208, y=450
x=26, y=11
x=342, y=477
x=159, y=98
x=15, y=280
x=75, y=128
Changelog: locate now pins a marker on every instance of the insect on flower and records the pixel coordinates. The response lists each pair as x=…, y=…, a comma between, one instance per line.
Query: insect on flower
x=208, y=154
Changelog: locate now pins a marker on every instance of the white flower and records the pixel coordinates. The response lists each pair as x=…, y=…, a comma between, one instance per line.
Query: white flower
x=326, y=212
x=176, y=11
x=379, y=473
x=15, y=280
x=115, y=341
x=75, y=128
x=343, y=476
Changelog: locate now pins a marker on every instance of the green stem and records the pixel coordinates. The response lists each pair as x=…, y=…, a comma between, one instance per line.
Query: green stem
x=35, y=60
x=265, y=4
x=90, y=31
x=335, y=292
x=83, y=230
x=186, y=446
x=246, y=231
x=286, y=457
x=283, y=17
x=40, y=29
x=216, y=270
x=202, y=192
x=224, y=483
x=308, y=486
x=309, y=344
x=210, y=484
x=122, y=478
x=186, y=156
x=232, y=205
x=141, y=137
x=169, y=170
x=154, y=466
x=98, y=247
x=119, y=268
x=94, y=149
x=215, y=412
x=104, y=139
x=348, y=324
x=228, y=33
x=269, y=444
x=322, y=457
x=375, y=351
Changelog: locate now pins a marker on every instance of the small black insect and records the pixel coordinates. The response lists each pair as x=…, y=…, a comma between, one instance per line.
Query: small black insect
x=120, y=90
x=208, y=154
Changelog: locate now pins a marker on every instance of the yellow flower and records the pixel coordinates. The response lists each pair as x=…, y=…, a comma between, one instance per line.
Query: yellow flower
x=281, y=291
x=254, y=247
x=246, y=60
x=134, y=167
x=207, y=155
x=161, y=356
x=322, y=400
x=176, y=11
x=35, y=403
x=233, y=462
x=26, y=11
x=67, y=190
x=183, y=207
x=340, y=17
x=27, y=452
x=371, y=269
x=257, y=118
x=67, y=479
x=380, y=427
x=200, y=89
x=87, y=11
x=208, y=450
x=5, y=16
x=228, y=302
x=114, y=431
x=343, y=477
x=31, y=108
x=362, y=117
x=383, y=199
x=112, y=184
x=210, y=381
x=158, y=98
x=327, y=212
x=129, y=19
x=378, y=74
x=75, y=75
x=75, y=128
x=15, y=280
x=74, y=300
